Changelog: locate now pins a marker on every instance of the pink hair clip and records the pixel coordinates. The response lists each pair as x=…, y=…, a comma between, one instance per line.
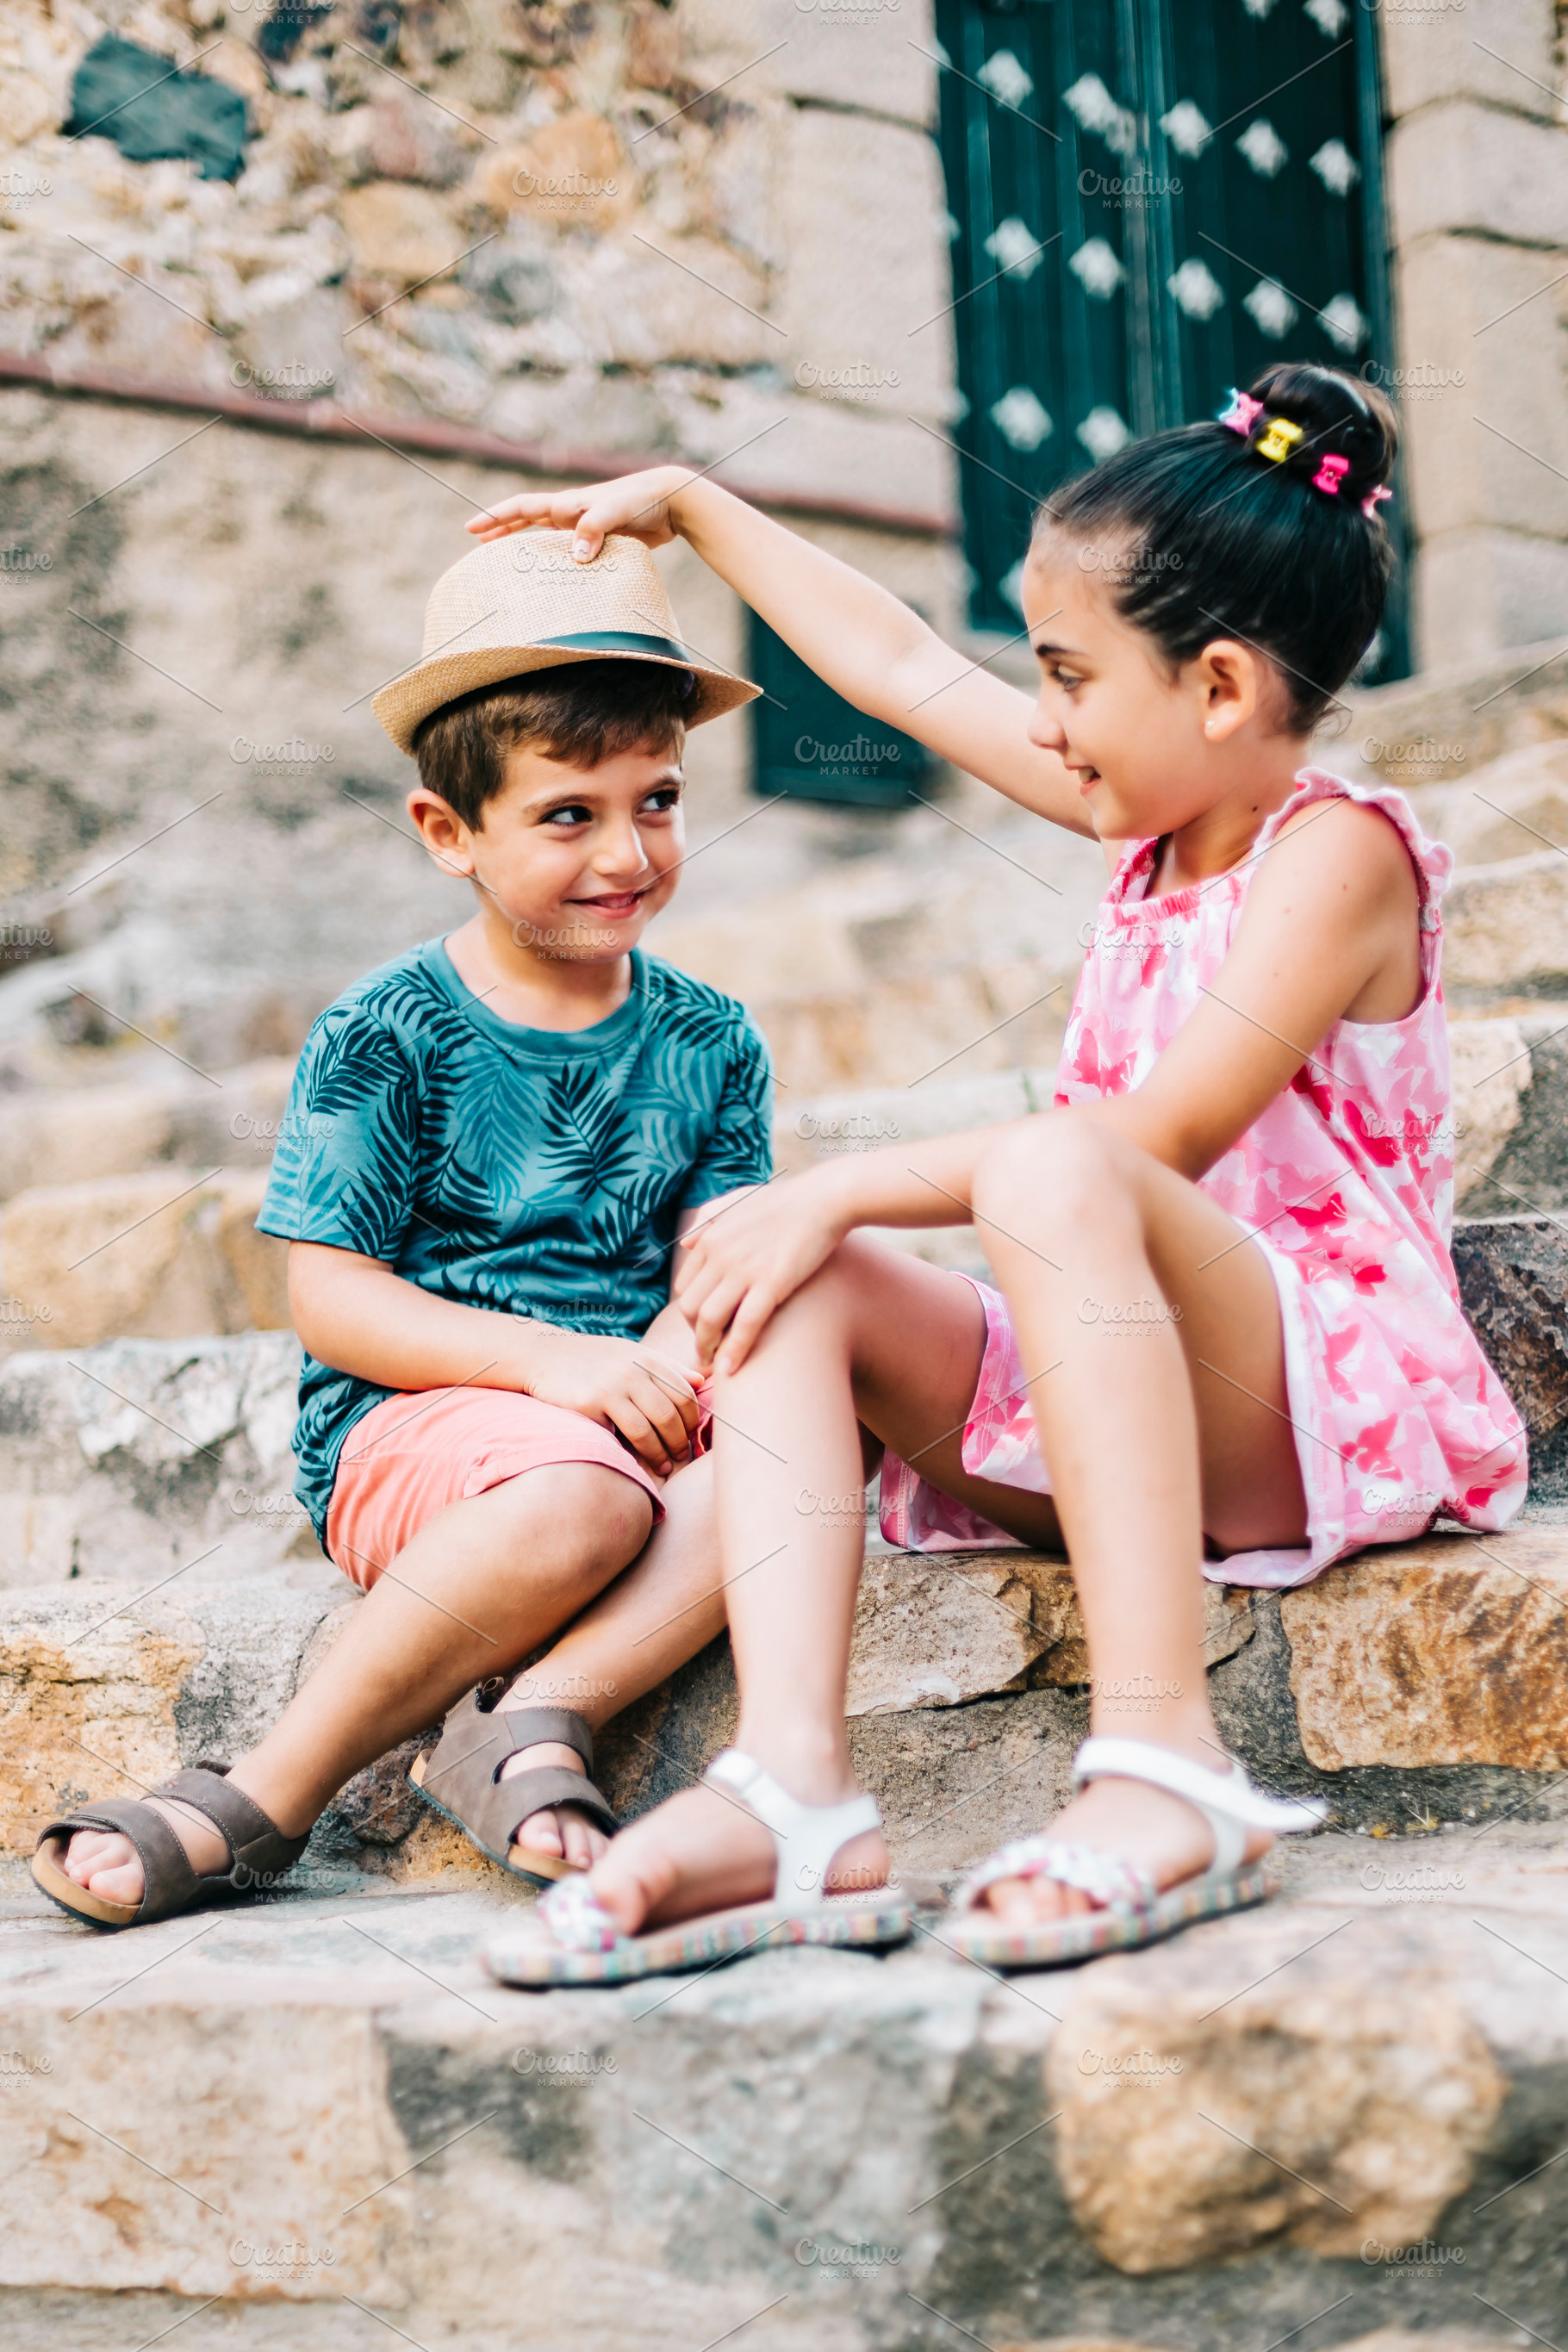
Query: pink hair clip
x=1329, y=475
x=1242, y=411
x=1373, y=500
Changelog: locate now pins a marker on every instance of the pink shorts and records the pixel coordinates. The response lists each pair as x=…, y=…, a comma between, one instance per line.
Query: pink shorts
x=414, y=1454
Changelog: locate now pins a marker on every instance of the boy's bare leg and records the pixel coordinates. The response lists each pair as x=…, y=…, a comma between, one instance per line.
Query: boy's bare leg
x=482, y=1586
x=876, y=1336
x=665, y=1608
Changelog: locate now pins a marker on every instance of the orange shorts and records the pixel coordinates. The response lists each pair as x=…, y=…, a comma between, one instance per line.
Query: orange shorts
x=412, y=1454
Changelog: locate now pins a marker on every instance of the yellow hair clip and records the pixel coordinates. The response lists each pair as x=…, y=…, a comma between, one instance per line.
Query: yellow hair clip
x=1279, y=440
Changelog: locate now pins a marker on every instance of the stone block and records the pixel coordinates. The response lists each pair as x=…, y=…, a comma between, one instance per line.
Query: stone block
x=1324, y=2102
x=1530, y=1169
x=1491, y=1075
x=134, y=1459
x=1443, y=1652
x=1460, y=167
x=1505, y=929
x=104, y=1697
x=1483, y=588
x=868, y=284
x=1513, y=1280
x=573, y=173
x=125, y=1130
x=642, y=300
x=864, y=59
x=1451, y=721
x=1432, y=54
x=159, y=1255
x=399, y=232
x=1477, y=391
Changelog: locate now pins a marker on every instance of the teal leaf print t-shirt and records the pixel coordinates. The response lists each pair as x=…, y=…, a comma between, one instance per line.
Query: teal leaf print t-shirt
x=532, y=1171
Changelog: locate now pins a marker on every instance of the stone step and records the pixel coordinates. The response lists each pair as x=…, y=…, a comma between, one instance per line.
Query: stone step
x=1338, y=2113
x=171, y=1253
x=231, y=1120
x=130, y=1459
x=1423, y=1681
x=170, y=1250
x=1451, y=723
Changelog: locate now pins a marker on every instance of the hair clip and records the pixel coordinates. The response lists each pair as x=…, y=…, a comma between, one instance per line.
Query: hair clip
x=1372, y=501
x=1243, y=409
x=1329, y=475
x=1279, y=440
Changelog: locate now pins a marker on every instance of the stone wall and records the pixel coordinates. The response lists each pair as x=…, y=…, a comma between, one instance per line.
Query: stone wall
x=679, y=230
x=1478, y=197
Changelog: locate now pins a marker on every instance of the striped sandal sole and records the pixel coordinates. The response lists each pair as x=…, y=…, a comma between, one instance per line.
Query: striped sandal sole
x=1057, y=1943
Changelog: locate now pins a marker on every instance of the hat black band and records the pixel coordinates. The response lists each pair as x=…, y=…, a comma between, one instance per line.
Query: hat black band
x=620, y=641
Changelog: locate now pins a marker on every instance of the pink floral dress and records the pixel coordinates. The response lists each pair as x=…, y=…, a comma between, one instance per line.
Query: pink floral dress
x=1345, y=1183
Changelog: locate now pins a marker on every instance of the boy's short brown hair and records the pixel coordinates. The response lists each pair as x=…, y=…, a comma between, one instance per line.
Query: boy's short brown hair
x=581, y=714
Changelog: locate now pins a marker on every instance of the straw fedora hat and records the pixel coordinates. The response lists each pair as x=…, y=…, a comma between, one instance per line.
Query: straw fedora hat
x=524, y=602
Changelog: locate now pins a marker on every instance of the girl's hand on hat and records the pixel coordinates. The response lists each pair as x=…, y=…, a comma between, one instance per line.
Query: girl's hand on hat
x=746, y=1255
x=624, y=1385
x=639, y=506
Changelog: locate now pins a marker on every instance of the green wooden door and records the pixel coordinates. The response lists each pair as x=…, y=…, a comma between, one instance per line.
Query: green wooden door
x=1150, y=200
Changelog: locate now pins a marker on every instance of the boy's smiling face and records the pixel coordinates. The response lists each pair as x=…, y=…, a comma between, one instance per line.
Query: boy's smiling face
x=570, y=863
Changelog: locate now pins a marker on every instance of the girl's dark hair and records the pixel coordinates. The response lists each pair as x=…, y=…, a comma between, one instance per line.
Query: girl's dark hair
x=1205, y=539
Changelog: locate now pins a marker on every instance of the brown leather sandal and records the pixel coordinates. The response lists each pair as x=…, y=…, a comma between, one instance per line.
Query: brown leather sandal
x=475, y=1742
x=259, y=1850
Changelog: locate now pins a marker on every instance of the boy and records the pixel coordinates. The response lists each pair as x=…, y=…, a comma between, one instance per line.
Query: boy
x=492, y=1144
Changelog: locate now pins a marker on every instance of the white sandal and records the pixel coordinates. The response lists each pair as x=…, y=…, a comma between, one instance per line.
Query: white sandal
x=1129, y=1909
x=572, y=1939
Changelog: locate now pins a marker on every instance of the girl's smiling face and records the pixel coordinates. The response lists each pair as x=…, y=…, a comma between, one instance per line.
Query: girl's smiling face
x=1151, y=749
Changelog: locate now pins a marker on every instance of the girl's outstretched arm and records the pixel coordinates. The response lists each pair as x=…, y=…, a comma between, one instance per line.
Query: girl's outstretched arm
x=869, y=647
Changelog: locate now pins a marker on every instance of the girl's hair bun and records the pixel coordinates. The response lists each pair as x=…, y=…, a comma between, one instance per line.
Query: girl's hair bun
x=1339, y=416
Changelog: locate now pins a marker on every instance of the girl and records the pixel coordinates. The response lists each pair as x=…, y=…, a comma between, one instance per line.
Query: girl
x=1229, y=1337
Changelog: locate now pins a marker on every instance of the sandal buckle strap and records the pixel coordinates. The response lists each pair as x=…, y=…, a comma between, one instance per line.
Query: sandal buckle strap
x=805, y=1837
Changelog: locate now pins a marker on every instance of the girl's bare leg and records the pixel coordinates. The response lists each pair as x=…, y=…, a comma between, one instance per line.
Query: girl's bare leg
x=1166, y=1414
x=875, y=1338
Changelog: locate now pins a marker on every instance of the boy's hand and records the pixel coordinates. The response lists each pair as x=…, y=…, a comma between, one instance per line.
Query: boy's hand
x=639, y=506
x=746, y=1253
x=623, y=1384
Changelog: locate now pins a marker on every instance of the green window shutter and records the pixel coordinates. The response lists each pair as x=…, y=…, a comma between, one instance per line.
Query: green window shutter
x=809, y=743
x=1151, y=200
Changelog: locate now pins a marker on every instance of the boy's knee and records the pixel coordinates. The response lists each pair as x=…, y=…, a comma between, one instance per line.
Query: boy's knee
x=607, y=1517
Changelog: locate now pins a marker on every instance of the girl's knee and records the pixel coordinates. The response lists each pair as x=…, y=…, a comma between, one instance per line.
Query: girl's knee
x=1057, y=1165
